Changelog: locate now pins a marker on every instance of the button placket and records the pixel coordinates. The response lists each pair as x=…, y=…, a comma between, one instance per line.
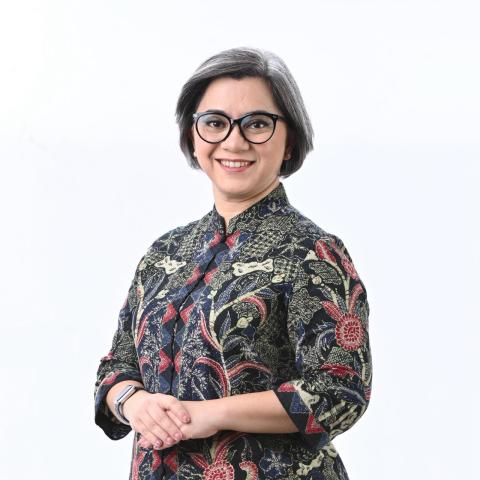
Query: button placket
x=187, y=302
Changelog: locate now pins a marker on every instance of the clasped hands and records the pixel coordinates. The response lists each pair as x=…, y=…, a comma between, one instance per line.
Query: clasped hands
x=163, y=420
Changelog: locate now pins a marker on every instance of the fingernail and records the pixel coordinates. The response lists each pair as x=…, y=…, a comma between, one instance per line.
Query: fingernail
x=158, y=444
x=178, y=436
x=186, y=418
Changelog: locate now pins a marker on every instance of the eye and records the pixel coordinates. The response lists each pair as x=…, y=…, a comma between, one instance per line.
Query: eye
x=214, y=122
x=258, y=122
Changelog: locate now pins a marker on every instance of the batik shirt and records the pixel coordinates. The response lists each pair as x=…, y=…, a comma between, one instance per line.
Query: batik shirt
x=272, y=302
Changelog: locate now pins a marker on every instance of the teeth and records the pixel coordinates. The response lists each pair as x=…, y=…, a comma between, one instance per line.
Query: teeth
x=228, y=163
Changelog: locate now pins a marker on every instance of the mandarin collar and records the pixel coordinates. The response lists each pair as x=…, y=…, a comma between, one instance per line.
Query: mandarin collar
x=249, y=219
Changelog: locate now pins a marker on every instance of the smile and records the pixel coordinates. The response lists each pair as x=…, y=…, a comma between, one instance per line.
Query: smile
x=235, y=165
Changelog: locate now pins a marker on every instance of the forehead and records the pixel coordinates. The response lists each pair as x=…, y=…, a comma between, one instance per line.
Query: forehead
x=238, y=96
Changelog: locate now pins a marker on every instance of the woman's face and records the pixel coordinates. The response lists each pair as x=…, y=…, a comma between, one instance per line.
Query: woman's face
x=236, y=97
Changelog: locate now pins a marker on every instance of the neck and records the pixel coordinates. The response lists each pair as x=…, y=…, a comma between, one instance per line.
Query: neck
x=228, y=207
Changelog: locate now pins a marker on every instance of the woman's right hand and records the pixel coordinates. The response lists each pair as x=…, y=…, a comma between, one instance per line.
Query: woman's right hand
x=156, y=416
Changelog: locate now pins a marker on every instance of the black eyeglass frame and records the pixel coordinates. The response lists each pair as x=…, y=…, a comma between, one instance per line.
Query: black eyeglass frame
x=273, y=116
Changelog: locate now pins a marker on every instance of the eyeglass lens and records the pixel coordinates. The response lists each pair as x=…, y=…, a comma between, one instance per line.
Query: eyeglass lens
x=214, y=127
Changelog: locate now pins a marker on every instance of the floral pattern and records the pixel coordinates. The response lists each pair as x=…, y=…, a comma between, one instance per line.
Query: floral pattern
x=272, y=302
x=275, y=464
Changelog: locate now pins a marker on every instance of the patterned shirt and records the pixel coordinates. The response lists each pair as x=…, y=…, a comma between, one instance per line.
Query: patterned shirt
x=272, y=302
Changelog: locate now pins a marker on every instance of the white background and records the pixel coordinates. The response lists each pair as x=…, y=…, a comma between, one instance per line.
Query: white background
x=91, y=174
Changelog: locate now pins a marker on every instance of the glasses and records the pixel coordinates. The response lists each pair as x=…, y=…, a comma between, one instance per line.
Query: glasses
x=255, y=127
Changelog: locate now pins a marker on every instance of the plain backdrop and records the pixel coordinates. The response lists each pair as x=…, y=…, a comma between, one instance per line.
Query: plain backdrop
x=91, y=174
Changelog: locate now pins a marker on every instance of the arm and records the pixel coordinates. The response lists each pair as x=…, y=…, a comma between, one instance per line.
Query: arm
x=327, y=323
x=156, y=416
x=258, y=412
x=116, y=369
x=328, y=329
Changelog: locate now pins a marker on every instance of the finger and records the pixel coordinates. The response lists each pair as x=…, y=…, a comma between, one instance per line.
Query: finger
x=148, y=438
x=162, y=427
x=183, y=427
x=163, y=422
x=187, y=431
x=150, y=441
x=174, y=419
x=169, y=402
x=176, y=407
x=144, y=443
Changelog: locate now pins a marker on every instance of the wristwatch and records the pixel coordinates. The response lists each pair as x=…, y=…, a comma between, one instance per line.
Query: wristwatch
x=121, y=398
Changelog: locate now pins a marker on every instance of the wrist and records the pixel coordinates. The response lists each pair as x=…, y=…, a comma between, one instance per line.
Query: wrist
x=129, y=403
x=220, y=413
x=124, y=395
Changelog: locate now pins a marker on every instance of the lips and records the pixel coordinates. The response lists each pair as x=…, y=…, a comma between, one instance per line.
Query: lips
x=234, y=160
x=235, y=165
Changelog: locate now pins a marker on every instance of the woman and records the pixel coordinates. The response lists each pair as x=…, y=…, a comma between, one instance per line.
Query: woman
x=242, y=349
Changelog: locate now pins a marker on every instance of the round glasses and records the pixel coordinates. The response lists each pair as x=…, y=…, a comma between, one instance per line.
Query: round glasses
x=255, y=127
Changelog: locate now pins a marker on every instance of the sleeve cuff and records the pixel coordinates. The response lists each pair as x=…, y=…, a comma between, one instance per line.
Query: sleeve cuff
x=295, y=401
x=104, y=418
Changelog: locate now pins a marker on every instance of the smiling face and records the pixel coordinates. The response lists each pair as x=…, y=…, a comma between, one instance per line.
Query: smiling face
x=241, y=182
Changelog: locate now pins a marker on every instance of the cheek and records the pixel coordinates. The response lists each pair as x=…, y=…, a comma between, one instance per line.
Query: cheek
x=274, y=151
x=204, y=152
x=201, y=147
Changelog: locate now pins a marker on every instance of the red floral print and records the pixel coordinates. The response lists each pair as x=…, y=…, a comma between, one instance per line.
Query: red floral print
x=349, y=332
x=219, y=471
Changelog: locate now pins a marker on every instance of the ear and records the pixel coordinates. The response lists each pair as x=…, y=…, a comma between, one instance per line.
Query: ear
x=289, y=143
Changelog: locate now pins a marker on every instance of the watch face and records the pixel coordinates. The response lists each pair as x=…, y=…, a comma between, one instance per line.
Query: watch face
x=125, y=393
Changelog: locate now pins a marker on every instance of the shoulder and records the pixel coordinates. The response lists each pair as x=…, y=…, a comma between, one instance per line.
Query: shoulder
x=169, y=242
x=307, y=232
x=173, y=235
x=318, y=244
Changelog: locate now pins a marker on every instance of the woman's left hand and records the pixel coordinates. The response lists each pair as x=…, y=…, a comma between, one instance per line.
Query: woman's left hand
x=205, y=421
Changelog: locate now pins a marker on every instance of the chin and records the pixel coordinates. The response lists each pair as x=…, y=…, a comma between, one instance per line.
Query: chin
x=236, y=190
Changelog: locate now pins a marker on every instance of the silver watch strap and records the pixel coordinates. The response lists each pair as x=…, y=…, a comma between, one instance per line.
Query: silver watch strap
x=122, y=397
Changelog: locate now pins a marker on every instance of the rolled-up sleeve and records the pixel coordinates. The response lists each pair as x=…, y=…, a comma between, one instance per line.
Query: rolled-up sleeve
x=120, y=364
x=328, y=330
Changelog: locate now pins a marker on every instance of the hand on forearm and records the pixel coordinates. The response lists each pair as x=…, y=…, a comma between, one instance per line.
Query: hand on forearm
x=259, y=412
x=158, y=417
x=204, y=421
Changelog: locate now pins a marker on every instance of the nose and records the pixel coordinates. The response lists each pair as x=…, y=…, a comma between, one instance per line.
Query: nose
x=235, y=141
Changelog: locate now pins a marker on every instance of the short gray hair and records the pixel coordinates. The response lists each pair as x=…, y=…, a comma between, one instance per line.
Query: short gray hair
x=249, y=62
